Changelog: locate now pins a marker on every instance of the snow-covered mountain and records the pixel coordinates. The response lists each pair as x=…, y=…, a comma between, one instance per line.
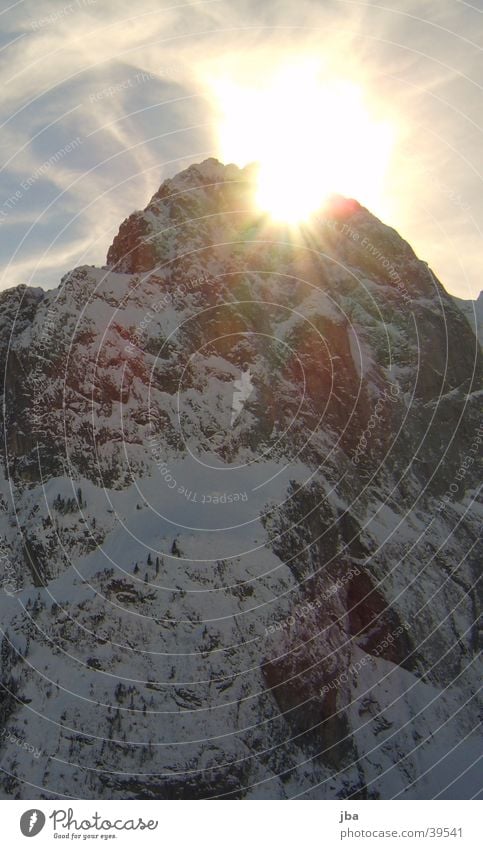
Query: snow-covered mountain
x=239, y=526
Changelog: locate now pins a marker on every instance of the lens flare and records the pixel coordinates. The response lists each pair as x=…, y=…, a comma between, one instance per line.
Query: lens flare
x=311, y=138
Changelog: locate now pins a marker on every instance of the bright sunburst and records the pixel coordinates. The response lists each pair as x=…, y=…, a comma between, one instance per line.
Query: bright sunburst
x=312, y=137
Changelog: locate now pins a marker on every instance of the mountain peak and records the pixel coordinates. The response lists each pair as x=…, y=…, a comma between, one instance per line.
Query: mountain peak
x=207, y=203
x=210, y=172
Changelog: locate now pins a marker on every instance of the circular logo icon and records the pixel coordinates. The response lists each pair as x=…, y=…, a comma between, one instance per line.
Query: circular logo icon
x=32, y=822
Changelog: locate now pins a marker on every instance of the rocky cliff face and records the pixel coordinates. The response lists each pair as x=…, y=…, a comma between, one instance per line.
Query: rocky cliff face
x=239, y=526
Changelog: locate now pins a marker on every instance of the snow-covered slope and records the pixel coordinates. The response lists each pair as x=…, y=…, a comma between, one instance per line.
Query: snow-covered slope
x=239, y=527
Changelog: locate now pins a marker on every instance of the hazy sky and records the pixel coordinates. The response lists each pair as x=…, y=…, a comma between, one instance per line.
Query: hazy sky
x=114, y=94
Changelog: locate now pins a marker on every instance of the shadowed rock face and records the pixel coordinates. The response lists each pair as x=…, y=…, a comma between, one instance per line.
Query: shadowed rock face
x=237, y=511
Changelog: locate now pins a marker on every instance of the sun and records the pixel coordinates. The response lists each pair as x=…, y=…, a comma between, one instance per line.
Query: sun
x=311, y=136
